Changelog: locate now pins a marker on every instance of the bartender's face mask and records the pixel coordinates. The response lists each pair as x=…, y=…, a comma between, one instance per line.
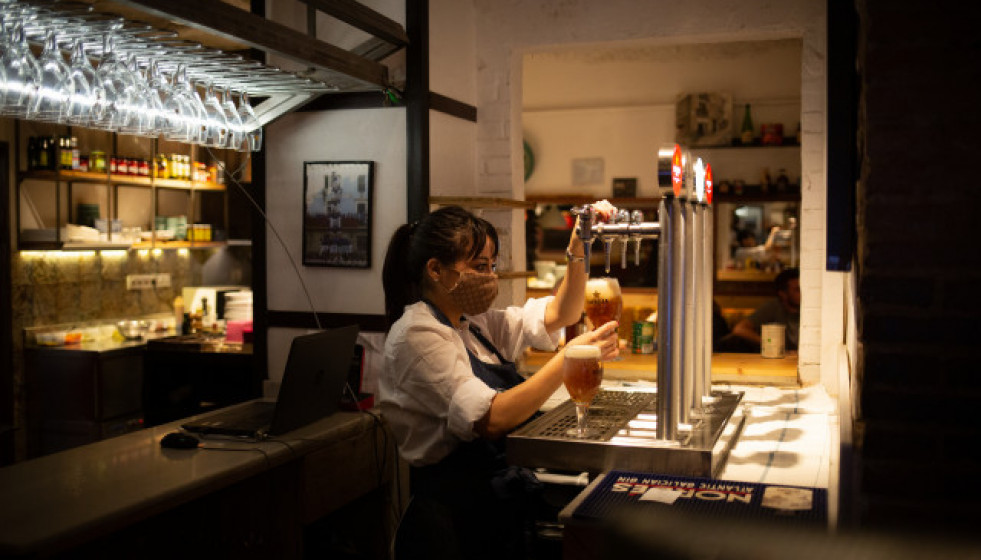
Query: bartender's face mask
x=476, y=285
x=474, y=292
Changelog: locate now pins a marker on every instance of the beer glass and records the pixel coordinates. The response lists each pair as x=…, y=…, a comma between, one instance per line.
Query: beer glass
x=582, y=373
x=604, y=302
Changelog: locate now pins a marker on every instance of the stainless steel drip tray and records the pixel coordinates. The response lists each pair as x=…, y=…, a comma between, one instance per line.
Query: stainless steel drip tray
x=625, y=422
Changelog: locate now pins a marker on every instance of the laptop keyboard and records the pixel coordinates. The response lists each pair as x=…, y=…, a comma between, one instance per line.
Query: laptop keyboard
x=252, y=416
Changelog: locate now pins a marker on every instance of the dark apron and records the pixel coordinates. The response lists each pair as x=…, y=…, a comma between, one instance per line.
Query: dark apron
x=478, y=505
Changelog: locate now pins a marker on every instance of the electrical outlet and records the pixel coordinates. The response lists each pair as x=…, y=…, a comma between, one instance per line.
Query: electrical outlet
x=147, y=281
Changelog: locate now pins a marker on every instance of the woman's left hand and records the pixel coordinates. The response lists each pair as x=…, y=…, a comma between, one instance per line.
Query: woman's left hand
x=605, y=338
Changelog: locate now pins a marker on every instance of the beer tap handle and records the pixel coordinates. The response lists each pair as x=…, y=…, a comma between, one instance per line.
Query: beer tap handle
x=607, y=249
x=584, y=228
x=637, y=217
x=623, y=217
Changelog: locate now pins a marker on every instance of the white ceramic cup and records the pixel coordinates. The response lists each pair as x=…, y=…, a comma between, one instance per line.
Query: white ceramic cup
x=772, y=343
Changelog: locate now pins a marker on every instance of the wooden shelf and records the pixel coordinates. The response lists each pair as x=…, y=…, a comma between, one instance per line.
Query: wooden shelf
x=479, y=202
x=736, y=144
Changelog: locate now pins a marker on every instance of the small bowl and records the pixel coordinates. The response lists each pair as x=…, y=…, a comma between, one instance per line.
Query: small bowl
x=132, y=329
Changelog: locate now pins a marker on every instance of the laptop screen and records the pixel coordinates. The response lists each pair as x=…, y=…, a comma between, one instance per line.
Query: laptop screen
x=314, y=378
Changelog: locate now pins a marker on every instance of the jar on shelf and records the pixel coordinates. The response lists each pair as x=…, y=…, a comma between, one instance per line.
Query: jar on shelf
x=161, y=169
x=97, y=161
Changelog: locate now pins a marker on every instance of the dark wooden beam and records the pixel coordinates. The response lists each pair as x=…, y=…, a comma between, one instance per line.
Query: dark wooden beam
x=452, y=107
x=349, y=100
x=417, y=109
x=356, y=14
x=227, y=21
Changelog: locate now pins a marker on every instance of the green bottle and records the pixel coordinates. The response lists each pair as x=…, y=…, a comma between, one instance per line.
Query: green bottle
x=747, y=129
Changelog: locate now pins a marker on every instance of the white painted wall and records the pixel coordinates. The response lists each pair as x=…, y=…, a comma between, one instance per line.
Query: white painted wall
x=509, y=29
x=452, y=50
x=376, y=135
x=617, y=102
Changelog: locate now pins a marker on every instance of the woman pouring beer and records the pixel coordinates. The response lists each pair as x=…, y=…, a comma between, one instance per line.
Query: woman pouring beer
x=450, y=390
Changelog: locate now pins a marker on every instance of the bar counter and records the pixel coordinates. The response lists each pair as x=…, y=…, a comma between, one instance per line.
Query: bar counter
x=129, y=497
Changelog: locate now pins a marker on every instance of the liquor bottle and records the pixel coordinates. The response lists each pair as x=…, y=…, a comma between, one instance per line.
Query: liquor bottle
x=747, y=128
x=33, y=149
x=75, y=153
x=43, y=152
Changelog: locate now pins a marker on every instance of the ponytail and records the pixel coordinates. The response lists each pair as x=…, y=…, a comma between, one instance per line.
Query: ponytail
x=400, y=287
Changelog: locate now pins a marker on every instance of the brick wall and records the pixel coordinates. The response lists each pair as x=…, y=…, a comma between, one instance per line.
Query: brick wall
x=919, y=266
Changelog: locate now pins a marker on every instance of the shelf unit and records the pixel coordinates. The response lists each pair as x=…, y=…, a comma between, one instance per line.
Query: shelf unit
x=118, y=195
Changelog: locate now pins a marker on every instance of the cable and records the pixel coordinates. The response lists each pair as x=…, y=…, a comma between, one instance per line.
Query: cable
x=268, y=222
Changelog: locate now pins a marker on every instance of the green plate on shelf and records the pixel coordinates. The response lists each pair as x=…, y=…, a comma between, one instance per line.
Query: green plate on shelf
x=529, y=161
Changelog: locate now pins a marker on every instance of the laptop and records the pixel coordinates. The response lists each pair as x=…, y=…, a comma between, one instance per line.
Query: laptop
x=313, y=382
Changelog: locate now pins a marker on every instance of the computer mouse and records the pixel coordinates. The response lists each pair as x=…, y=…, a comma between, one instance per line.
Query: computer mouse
x=179, y=440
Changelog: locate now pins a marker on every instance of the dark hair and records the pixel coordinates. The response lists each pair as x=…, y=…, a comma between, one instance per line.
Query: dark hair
x=744, y=234
x=783, y=279
x=448, y=235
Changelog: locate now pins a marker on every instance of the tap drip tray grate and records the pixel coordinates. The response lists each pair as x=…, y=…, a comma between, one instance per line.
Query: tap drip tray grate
x=622, y=434
x=608, y=414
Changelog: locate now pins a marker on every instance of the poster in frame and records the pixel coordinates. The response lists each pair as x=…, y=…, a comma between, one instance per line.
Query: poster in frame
x=337, y=213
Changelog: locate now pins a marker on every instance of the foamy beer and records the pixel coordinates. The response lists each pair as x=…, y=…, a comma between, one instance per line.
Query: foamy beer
x=603, y=301
x=582, y=373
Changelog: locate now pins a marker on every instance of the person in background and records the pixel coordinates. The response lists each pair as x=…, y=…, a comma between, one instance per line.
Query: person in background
x=450, y=389
x=783, y=309
x=748, y=248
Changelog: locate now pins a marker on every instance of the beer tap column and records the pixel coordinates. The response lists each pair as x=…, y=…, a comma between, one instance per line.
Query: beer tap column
x=700, y=298
x=668, y=300
x=689, y=317
x=707, y=310
x=708, y=224
x=669, y=292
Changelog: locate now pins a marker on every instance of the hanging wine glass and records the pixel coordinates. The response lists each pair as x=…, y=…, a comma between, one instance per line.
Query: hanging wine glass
x=236, y=135
x=21, y=73
x=140, y=114
x=250, y=124
x=3, y=72
x=153, y=96
x=182, y=113
x=118, y=87
x=50, y=100
x=217, y=123
x=81, y=87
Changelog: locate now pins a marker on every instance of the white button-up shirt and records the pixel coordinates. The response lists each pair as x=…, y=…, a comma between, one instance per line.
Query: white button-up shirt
x=427, y=389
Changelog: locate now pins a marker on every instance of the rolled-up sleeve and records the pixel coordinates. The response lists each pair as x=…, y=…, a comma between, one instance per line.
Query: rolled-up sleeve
x=469, y=403
x=515, y=328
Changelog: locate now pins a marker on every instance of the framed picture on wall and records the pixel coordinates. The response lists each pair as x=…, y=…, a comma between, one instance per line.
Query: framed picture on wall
x=337, y=213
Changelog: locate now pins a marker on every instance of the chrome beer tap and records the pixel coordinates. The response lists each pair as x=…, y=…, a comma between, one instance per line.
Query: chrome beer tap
x=584, y=228
x=626, y=226
x=623, y=217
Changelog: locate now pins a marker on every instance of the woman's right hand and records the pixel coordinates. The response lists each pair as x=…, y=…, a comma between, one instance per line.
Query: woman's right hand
x=605, y=338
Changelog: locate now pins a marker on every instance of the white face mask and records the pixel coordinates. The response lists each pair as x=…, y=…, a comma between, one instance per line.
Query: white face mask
x=474, y=292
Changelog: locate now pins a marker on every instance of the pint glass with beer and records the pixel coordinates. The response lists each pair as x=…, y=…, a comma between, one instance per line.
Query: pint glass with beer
x=603, y=301
x=582, y=373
